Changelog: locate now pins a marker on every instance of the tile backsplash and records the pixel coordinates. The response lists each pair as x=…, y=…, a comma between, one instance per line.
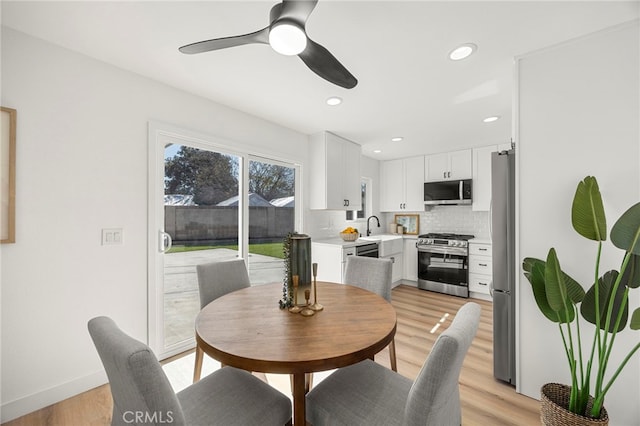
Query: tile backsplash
x=456, y=219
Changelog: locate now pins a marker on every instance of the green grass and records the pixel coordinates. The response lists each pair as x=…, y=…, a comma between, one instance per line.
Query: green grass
x=265, y=249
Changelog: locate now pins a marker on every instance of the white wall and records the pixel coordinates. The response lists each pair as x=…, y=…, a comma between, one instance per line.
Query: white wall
x=81, y=167
x=578, y=116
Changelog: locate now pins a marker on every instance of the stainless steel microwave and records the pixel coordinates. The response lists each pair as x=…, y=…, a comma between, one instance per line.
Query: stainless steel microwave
x=447, y=192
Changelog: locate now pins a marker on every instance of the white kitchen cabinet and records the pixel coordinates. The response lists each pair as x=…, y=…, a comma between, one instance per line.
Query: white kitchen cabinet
x=453, y=165
x=331, y=260
x=402, y=185
x=480, y=269
x=482, y=177
x=335, y=173
x=397, y=267
x=410, y=259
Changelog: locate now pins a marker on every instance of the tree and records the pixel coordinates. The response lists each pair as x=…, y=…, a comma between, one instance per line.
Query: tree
x=270, y=180
x=210, y=177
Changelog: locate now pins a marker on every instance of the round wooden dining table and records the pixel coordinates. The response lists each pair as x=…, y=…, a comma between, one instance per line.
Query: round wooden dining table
x=247, y=329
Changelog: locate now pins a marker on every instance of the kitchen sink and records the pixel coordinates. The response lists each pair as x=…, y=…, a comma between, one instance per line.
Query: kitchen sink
x=387, y=244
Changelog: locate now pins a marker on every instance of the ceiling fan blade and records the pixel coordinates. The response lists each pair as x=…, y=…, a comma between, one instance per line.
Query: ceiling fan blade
x=297, y=10
x=323, y=63
x=261, y=36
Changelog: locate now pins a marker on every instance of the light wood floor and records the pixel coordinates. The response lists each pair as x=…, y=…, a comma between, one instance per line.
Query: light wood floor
x=485, y=401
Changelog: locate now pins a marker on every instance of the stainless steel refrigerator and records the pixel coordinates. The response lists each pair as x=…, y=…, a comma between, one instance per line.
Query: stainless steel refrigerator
x=503, y=248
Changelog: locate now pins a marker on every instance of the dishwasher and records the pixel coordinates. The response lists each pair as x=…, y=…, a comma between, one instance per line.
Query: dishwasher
x=366, y=250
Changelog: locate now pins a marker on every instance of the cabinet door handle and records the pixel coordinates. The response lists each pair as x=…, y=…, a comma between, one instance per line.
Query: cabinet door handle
x=347, y=203
x=482, y=264
x=444, y=175
x=482, y=249
x=449, y=174
x=480, y=283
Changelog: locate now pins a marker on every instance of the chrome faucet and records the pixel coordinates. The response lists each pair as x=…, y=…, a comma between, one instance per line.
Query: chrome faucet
x=377, y=220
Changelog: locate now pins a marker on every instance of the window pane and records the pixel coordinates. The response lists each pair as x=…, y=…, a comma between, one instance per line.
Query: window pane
x=271, y=217
x=201, y=215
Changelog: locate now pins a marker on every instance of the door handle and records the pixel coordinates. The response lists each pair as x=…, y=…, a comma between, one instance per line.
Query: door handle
x=165, y=242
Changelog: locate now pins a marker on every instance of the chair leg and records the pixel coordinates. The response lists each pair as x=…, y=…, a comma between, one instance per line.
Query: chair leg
x=392, y=355
x=197, y=370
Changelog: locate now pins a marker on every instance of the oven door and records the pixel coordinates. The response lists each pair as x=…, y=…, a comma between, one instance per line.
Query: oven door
x=444, y=269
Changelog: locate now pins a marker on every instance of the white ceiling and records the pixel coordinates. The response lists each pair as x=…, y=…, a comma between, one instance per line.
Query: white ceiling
x=397, y=51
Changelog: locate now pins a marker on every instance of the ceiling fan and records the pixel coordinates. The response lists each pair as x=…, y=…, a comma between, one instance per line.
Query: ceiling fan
x=287, y=35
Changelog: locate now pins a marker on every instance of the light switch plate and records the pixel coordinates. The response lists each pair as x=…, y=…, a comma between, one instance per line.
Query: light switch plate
x=111, y=236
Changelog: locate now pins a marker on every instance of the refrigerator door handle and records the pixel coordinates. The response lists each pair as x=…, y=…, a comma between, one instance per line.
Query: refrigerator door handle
x=491, y=221
x=491, y=288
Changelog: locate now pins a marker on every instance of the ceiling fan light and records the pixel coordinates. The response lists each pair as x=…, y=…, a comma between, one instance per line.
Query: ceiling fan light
x=287, y=38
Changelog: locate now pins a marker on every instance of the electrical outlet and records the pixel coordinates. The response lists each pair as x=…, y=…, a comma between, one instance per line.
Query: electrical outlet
x=111, y=236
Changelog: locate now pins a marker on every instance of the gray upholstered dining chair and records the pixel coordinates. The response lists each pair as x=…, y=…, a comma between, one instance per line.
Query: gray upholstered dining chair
x=369, y=394
x=375, y=275
x=142, y=393
x=216, y=279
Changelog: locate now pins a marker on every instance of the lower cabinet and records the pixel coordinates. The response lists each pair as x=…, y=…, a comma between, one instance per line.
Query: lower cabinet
x=331, y=260
x=398, y=267
x=480, y=269
x=410, y=259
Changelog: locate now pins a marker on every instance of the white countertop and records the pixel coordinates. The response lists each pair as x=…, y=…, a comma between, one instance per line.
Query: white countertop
x=337, y=241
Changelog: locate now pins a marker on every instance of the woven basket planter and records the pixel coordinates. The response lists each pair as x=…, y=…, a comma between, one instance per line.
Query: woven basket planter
x=554, y=412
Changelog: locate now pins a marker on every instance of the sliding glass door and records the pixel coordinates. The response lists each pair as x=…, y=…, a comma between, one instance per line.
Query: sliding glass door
x=209, y=203
x=272, y=213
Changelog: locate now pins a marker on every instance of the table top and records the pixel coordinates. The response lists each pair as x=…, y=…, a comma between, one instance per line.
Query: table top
x=247, y=329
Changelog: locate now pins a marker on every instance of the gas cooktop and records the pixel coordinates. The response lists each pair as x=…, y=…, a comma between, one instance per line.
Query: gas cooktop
x=447, y=236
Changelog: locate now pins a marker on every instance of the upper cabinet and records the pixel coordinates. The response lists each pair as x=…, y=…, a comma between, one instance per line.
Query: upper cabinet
x=334, y=165
x=454, y=165
x=402, y=185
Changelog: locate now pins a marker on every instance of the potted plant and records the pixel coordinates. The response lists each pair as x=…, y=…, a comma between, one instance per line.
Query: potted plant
x=605, y=304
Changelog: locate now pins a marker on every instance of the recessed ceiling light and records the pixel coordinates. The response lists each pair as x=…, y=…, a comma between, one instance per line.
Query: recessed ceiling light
x=462, y=51
x=334, y=100
x=397, y=139
x=377, y=151
x=491, y=119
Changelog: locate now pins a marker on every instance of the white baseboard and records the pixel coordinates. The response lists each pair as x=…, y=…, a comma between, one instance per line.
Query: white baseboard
x=19, y=407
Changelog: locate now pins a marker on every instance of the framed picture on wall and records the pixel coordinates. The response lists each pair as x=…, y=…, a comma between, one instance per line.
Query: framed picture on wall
x=410, y=223
x=8, y=175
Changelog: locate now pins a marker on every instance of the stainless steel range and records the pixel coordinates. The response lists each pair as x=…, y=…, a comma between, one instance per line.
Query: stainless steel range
x=443, y=263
